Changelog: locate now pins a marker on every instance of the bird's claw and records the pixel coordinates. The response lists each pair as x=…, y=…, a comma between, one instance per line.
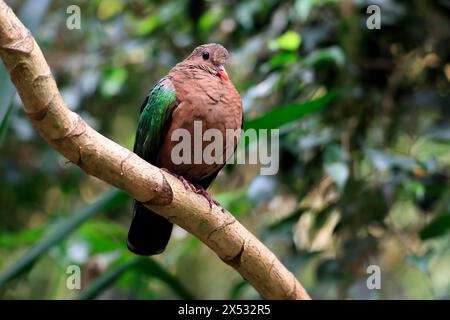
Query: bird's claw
x=195, y=188
x=186, y=184
x=211, y=200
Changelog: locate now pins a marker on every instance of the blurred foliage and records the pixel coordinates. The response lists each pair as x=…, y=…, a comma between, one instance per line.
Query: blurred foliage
x=364, y=148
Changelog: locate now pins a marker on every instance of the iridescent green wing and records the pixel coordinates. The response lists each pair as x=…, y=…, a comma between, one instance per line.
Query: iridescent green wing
x=154, y=120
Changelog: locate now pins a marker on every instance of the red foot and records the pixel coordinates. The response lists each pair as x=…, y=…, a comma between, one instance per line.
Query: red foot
x=186, y=184
x=195, y=188
x=211, y=200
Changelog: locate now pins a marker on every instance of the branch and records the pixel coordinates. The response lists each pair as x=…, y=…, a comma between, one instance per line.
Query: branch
x=100, y=157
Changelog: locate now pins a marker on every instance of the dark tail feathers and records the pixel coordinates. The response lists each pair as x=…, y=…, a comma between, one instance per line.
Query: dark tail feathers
x=149, y=232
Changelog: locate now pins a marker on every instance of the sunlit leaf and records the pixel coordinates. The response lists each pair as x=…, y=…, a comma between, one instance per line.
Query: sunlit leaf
x=148, y=25
x=102, y=236
x=209, y=19
x=290, y=40
x=109, y=8
x=235, y=201
x=113, y=80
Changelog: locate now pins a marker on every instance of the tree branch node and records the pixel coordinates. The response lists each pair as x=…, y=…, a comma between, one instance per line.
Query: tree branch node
x=227, y=222
x=24, y=45
x=164, y=196
x=235, y=262
x=78, y=129
x=40, y=115
x=128, y=156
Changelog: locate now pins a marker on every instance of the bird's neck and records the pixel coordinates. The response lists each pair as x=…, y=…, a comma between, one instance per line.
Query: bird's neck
x=186, y=67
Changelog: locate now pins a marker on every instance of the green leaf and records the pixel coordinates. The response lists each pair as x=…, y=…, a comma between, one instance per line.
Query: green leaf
x=109, y=8
x=102, y=236
x=334, y=54
x=154, y=269
x=289, y=113
x=438, y=227
x=334, y=153
x=105, y=280
x=148, y=25
x=282, y=58
x=10, y=240
x=235, y=201
x=209, y=19
x=236, y=291
x=143, y=265
x=113, y=80
x=108, y=200
x=290, y=40
x=4, y=123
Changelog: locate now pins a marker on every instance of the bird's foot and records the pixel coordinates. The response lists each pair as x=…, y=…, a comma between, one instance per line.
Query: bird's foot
x=195, y=188
x=186, y=184
x=211, y=200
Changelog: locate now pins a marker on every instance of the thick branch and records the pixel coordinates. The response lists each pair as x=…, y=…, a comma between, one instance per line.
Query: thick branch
x=108, y=161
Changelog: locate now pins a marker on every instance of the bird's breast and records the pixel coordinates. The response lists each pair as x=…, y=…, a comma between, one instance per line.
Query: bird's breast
x=205, y=126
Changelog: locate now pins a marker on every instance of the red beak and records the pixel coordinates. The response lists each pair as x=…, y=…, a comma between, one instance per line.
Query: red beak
x=221, y=72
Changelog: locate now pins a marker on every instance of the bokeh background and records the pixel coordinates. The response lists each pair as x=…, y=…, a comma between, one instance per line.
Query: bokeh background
x=364, y=119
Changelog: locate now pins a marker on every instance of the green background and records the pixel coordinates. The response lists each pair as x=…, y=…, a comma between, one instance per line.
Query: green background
x=364, y=123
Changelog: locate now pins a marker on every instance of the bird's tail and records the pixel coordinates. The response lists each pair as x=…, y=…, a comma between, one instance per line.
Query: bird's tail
x=149, y=232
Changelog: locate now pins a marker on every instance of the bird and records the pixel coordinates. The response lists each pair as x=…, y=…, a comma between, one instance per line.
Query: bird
x=198, y=89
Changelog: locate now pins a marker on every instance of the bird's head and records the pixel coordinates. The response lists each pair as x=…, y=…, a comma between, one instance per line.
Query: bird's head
x=212, y=57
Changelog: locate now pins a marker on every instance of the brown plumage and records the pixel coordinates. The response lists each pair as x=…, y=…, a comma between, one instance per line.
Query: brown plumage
x=203, y=92
x=203, y=96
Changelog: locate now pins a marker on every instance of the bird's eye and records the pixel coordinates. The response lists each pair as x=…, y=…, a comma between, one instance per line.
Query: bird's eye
x=205, y=55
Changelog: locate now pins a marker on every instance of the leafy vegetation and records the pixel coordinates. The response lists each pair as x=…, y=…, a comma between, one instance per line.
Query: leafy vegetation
x=364, y=148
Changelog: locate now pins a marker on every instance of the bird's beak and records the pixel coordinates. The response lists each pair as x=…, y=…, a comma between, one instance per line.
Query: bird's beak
x=221, y=72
